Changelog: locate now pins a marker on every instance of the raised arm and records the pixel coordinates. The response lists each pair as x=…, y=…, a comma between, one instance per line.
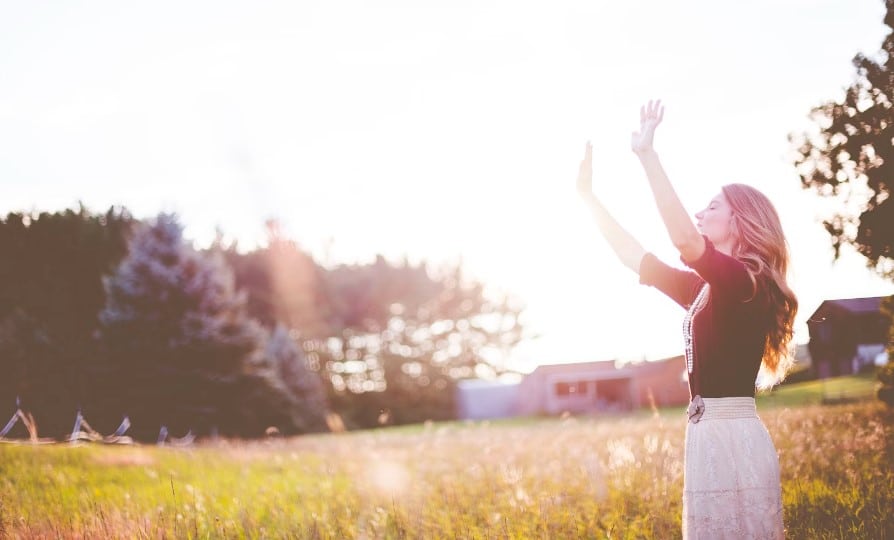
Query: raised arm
x=622, y=243
x=683, y=233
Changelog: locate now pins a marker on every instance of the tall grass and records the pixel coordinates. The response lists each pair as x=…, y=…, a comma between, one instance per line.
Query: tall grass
x=618, y=477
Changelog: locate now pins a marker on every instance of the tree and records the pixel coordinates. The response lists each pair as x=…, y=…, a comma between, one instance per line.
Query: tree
x=886, y=374
x=390, y=340
x=276, y=390
x=284, y=284
x=851, y=158
x=51, y=267
x=177, y=337
x=403, y=336
x=306, y=395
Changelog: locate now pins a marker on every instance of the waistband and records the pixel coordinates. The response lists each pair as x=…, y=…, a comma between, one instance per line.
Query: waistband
x=701, y=409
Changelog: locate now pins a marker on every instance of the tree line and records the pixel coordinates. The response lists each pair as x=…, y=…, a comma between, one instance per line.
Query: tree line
x=118, y=317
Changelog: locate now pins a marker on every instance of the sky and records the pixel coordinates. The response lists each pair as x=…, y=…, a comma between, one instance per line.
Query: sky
x=436, y=131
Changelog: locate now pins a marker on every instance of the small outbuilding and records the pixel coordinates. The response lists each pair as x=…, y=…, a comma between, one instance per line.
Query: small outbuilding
x=578, y=388
x=847, y=335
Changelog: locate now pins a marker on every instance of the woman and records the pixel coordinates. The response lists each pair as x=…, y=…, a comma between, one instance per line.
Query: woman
x=738, y=323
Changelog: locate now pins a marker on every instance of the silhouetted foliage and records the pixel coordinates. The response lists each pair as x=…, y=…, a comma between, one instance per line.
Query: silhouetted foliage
x=886, y=373
x=284, y=284
x=851, y=158
x=886, y=389
x=50, y=295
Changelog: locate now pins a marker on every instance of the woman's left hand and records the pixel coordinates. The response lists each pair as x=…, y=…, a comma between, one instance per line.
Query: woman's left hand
x=649, y=117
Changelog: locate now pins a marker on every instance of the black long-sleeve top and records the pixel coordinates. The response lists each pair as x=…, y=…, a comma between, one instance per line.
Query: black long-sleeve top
x=729, y=332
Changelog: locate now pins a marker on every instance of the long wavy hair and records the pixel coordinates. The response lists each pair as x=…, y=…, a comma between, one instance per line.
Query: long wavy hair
x=761, y=245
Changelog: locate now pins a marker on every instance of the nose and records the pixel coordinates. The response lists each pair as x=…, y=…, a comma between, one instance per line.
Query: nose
x=698, y=215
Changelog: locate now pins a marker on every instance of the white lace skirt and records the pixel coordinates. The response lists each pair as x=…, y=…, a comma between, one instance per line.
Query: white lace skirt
x=731, y=485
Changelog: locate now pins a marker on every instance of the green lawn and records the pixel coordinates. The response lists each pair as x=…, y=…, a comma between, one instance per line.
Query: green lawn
x=835, y=390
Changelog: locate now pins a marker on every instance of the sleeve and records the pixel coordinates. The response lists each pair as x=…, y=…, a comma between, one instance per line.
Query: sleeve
x=681, y=286
x=726, y=275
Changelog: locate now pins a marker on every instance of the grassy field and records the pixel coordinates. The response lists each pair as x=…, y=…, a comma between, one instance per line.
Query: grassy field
x=617, y=477
x=828, y=391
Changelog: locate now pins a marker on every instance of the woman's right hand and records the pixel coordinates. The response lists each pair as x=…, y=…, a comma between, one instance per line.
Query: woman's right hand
x=649, y=117
x=585, y=174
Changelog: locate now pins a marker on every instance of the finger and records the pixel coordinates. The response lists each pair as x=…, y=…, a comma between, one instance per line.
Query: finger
x=642, y=113
x=661, y=114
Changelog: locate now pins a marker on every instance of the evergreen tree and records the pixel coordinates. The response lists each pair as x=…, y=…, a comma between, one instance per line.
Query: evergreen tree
x=307, y=395
x=178, y=340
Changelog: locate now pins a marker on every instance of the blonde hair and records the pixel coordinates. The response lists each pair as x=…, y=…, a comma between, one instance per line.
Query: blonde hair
x=761, y=245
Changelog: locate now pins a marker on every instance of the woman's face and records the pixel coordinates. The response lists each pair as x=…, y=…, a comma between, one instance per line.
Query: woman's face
x=715, y=222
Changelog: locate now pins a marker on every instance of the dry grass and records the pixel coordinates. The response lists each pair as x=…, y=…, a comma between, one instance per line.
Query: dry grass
x=617, y=477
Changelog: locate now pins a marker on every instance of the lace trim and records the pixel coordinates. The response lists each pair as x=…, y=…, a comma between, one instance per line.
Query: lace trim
x=697, y=305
